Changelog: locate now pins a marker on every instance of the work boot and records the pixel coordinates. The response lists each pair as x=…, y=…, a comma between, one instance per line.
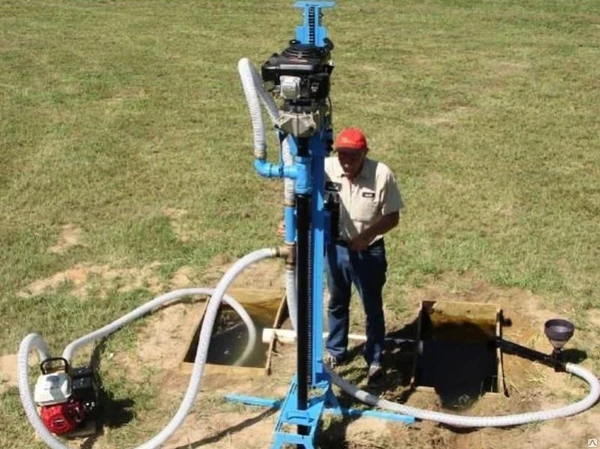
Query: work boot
x=376, y=373
x=332, y=361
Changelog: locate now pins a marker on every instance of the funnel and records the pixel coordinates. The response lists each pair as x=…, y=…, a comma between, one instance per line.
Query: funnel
x=559, y=332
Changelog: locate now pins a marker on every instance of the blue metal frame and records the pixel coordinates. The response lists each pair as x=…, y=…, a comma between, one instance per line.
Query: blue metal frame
x=337, y=410
x=311, y=32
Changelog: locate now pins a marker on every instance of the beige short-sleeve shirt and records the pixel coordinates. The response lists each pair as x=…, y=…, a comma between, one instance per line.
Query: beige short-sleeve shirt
x=373, y=194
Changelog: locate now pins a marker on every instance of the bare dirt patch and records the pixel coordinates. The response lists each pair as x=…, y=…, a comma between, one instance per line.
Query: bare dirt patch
x=81, y=276
x=8, y=372
x=70, y=237
x=252, y=429
x=593, y=317
x=184, y=277
x=159, y=343
x=267, y=273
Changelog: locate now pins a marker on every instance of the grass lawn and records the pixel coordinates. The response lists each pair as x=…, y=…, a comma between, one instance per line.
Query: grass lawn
x=125, y=148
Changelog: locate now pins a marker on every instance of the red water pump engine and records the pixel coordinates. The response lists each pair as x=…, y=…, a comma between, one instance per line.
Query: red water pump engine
x=62, y=418
x=67, y=397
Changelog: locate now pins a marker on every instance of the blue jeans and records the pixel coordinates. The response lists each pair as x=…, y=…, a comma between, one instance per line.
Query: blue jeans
x=367, y=271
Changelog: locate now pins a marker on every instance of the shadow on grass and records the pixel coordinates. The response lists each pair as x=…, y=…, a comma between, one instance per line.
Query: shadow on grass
x=334, y=436
x=112, y=413
x=223, y=433
x=398, y=361
x=573, y=355
x=89, y=442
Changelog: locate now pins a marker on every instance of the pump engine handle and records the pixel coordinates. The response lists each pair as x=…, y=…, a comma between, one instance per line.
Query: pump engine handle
x=54, y=364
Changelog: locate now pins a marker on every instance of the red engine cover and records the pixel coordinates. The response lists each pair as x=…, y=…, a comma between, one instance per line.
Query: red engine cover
x=62, y=418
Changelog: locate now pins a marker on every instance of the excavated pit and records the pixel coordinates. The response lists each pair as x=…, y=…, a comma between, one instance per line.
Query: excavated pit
x=455, y=357
x=230, y=335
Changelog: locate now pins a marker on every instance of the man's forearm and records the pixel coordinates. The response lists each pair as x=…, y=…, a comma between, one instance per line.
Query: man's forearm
x=383, y=225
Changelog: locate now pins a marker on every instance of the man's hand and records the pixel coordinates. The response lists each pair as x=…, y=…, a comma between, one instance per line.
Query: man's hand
x=360, y=242
x=383, y=225
x=281, y=229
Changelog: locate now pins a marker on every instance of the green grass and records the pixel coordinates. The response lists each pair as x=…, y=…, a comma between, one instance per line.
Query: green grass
x=113, y=111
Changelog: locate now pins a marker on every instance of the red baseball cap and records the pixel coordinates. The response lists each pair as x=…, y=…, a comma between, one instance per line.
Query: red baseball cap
x=351, y=139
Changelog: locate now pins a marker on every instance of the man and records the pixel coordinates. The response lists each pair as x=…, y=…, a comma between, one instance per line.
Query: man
x=370, y=205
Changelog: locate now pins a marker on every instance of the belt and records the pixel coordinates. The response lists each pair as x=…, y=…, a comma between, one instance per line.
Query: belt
x=345, y=243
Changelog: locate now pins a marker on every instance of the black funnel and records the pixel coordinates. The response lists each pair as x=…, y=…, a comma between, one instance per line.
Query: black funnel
x=559, y=332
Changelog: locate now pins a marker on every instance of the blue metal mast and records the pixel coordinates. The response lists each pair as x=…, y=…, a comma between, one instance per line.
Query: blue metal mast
x=307, y=126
